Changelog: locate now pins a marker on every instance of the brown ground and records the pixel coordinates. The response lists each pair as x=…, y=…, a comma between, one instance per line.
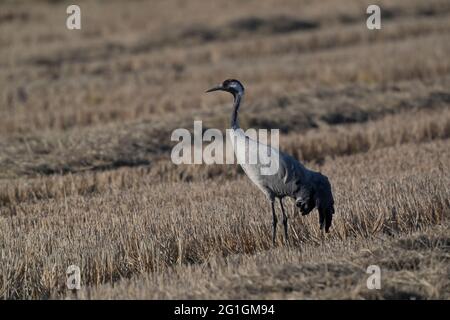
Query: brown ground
x=85, y=173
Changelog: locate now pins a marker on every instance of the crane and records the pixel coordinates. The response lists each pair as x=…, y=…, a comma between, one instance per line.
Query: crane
x=309, y=189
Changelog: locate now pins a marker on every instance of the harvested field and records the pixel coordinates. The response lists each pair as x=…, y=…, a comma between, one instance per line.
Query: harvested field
x=86, y=177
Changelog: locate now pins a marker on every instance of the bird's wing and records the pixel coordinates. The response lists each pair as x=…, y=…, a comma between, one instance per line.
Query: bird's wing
x=292, y=170
x=324, y=200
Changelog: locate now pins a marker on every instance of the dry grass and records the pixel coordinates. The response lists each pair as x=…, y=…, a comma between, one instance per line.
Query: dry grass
x=151, y=227
x=413, y=266
x=85, y=175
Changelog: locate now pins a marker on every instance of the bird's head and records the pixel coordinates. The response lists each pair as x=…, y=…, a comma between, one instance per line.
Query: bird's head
x=232, y=86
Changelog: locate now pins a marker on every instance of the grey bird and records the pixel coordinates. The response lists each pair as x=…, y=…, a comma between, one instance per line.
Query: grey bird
x=308, y=188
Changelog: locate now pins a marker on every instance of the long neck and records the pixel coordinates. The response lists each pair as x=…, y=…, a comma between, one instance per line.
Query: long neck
x=234, y=116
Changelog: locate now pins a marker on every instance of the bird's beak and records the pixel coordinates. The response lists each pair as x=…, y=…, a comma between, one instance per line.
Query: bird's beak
x=219, y=87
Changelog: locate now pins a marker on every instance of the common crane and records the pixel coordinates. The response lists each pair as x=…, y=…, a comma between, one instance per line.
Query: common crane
x=308, y=188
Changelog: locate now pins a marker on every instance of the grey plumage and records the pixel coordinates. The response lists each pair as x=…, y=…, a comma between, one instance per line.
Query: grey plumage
x=308, y=188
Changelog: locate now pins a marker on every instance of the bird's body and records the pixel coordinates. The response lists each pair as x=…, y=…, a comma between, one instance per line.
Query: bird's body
x=245, y=148
x=278, y=185
x=310, y=189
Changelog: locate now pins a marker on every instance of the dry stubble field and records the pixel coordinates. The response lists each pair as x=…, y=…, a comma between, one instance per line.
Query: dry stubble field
x=85, y=171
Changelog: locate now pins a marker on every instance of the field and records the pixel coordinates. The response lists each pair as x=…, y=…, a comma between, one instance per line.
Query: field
x=86, y=177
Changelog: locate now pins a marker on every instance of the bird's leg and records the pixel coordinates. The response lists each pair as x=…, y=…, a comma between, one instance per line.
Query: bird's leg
x=285, y=221
x=274, y=221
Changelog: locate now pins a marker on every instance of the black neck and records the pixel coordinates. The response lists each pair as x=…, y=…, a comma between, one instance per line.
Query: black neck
x=234, y=116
